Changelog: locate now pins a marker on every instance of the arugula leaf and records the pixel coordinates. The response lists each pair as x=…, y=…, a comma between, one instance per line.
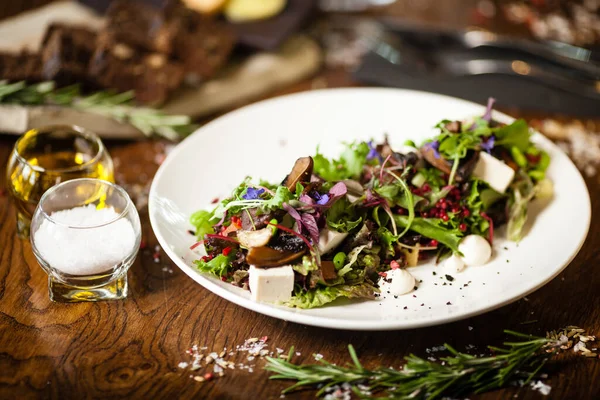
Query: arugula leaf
x=516, y=134
x=219, y=266
x=349, y=166
x=322, y=295
x=342, y=216
x=203, y=222
x=433, y=229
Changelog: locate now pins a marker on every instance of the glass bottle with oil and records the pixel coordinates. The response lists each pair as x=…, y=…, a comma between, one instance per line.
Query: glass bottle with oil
x=44, y=157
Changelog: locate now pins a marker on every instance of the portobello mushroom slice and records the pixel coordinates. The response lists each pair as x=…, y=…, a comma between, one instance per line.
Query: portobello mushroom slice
x=464, y=170
x=268, y=257
x=257, y=238
x=301, y=172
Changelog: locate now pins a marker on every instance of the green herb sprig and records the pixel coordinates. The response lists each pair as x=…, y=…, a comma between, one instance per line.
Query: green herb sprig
x=457, y=375
x=116, y=106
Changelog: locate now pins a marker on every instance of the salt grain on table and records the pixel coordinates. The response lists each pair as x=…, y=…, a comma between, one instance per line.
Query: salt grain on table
x=85, y=251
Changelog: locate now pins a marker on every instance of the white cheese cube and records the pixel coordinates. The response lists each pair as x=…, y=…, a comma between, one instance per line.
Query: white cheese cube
x=271, y=284
x=493, y=171
x=329, y=240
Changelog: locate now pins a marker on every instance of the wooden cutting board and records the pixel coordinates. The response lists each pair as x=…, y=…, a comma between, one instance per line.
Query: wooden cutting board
x=240, y=82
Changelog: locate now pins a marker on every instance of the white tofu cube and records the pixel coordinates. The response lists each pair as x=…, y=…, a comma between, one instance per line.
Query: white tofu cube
x=271, y=284
x=329, y=240
x=493, y=171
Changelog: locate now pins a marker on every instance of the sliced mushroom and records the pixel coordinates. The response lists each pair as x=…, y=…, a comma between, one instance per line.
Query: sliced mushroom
x=300, y=173
x=464, y=169
x=257, y=238
x=354, y=189
x=430, y=155
x=328, y=270
x=268, y=257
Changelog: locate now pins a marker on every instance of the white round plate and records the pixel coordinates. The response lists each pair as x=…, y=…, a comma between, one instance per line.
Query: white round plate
x=264, y=139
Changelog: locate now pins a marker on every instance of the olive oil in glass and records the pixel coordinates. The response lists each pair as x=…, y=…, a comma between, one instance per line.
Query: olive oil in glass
x=44, y=157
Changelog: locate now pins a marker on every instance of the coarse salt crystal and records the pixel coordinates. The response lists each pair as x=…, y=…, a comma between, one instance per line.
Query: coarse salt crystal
x=541, y=387
x=85, y=251
x=182, y=364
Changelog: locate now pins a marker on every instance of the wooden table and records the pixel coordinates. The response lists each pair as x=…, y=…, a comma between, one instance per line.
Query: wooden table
x=132, y=348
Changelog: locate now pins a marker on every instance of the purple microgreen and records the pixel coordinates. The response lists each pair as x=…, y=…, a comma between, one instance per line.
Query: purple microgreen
x=306, y=199
x=488, y=144
x=294, y=214
x=488, y=110
x=338, y=190
x=310, y=223
x=252, y=193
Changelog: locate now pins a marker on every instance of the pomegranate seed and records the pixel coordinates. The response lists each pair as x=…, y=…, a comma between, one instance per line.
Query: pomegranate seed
x=224, y=279
x=215, y=200
x=236, y=221
x=208, y=376
x=433, y=243
x=455, y=209
x=400, y=211
x=445, y=217
x=143, y=244
x=264, y=338
x=206, y=258
x=466, y=212
x=394, y=264
x=226, y=251
x=462, y=227
x=424, y=214
x=426, y=188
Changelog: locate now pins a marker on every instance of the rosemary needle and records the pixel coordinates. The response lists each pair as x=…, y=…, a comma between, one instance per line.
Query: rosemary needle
x=117, y=106
x=457, y=375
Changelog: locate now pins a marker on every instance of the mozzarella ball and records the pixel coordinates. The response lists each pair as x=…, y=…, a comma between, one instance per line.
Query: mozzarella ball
x=454, y=263
x=475, y=249
x=397, y=282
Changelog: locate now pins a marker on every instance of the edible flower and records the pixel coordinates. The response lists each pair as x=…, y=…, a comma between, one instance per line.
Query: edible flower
x=373, y=153
x=435, y=145
x=321, y=199
x=488, y=144
x=252, y=193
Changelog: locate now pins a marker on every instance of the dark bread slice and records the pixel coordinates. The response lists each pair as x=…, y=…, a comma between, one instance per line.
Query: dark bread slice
x=66, y=53
x=120, y=67
x=202, y=44
x=22, y=66
x=141, y=25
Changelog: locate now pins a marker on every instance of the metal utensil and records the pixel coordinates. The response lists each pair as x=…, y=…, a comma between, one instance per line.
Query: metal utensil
x=579, y=59
x=444, y=64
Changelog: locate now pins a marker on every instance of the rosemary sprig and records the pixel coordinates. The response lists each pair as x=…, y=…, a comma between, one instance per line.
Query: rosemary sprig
x=117, y=106
x=457, y=375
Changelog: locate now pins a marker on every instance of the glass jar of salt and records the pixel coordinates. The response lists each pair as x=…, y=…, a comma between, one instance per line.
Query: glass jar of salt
x=85, y=233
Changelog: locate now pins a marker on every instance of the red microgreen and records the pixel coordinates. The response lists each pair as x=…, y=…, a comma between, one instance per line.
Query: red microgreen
x=221, y=237
x=192, y=247
x=382, y=167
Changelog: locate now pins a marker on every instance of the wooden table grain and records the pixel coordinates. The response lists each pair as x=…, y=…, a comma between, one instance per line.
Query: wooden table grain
x=132, y=348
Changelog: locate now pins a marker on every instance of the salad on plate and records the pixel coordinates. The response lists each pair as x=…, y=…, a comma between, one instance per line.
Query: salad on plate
x=352, y=227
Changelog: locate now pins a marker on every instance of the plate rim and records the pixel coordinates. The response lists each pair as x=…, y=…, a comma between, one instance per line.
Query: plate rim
x=296, y=316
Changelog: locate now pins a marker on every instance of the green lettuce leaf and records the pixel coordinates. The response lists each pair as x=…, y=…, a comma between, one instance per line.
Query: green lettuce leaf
x=342, y=216
x=219, y=266
x=433, y=229
x=349, y=165
x=516, y=134
x=203, y=222
x=322, y=295
x=523, y=192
